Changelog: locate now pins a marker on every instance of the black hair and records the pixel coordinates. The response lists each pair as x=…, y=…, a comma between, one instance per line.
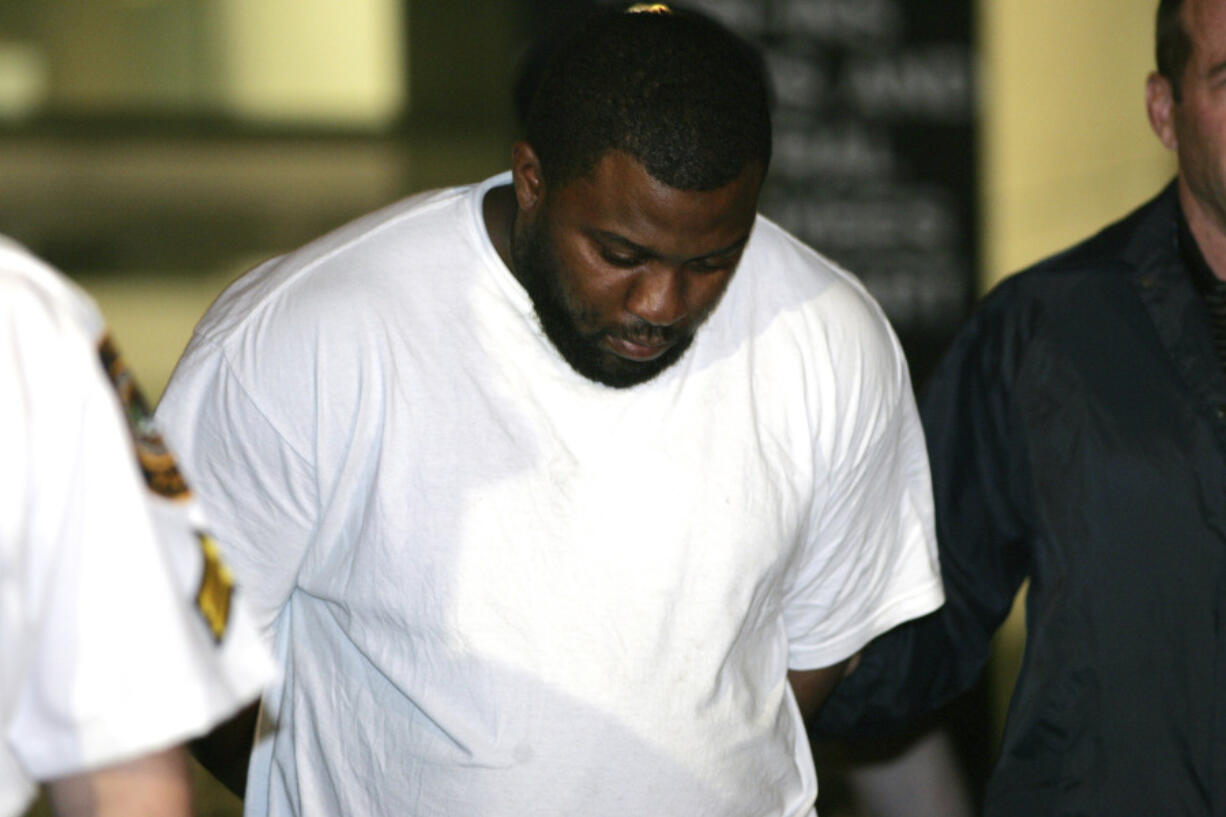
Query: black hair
x=1172, y=45
x=675, y=90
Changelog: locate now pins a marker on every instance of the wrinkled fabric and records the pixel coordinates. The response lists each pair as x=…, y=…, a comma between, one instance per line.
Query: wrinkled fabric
x=501, y=589
x=119, y=633
x=1077, y=434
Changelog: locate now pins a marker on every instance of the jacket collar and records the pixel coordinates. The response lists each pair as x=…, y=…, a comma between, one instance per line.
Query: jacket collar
x=1176, y=310
x=1153, y=244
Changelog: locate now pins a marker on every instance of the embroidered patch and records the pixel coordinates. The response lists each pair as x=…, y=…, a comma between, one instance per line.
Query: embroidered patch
x=156, y=463
x=216, y=589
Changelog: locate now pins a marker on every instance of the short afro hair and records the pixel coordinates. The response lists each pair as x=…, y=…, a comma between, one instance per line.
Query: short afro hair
x=1172, y=46
x=673, y=89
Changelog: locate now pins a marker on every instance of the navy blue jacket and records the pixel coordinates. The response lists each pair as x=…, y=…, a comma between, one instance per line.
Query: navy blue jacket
x=1077, y=433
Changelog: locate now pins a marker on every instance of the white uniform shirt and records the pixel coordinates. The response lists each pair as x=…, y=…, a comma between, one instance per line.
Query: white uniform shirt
x=499, y=588
x=118, y=631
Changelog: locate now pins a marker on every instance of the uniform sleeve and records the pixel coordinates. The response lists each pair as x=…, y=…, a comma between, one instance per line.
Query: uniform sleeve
x=122, y=633
x=979, y=485
x=869, y=562
x=257, y=488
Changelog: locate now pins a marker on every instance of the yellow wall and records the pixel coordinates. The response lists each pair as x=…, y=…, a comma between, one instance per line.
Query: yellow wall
x=1066, y=148
x=329, y=62
x=1066, y=144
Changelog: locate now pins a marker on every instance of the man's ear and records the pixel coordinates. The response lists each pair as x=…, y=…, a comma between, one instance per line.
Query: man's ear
x=526, y=177
x=1160, y=105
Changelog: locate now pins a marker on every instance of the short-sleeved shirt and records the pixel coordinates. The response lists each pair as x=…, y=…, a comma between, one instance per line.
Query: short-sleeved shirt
x=120, y=629
x=498, y=588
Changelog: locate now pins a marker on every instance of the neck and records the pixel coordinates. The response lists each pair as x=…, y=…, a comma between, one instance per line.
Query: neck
x=1207, y=229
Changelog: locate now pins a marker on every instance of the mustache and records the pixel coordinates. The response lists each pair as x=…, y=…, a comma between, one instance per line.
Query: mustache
x=646, y=334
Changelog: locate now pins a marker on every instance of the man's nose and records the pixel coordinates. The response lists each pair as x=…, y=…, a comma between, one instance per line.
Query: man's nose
x=658, y=295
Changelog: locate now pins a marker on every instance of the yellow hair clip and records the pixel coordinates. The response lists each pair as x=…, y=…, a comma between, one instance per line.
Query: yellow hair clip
x=649, y=8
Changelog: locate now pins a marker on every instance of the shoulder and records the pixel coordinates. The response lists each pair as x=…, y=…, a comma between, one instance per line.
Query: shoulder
x=817, y=339
x=37, y=303
x=792, y=276
x=316, y=320
x=1136, y=240
x=813, y=301
x=345, y=269
x=1076, y=276
x=1071, y=291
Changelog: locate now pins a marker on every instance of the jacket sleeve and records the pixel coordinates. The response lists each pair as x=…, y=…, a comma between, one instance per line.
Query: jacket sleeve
x=976, y=451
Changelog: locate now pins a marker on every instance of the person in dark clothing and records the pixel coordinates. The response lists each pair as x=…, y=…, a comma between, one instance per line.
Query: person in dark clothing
x=1077, y=435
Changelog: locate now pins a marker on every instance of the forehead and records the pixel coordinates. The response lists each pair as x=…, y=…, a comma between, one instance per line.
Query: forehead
x=1204, y=21
x=620, y=197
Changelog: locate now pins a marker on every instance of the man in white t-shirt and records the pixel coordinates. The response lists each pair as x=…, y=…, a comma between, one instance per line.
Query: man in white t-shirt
x=544, y=509
x=119, y=634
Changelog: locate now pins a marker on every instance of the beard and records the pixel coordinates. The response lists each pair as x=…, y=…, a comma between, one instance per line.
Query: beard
x=566, y=322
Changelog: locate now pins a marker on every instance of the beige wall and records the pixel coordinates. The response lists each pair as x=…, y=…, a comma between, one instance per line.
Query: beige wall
x=1066, y=143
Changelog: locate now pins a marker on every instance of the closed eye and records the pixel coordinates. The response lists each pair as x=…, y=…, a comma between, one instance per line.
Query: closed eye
x=620, y=260
x=712, y=264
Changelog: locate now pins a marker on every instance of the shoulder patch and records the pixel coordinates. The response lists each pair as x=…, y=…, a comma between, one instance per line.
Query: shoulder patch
x=216, y=589
x=156, y=462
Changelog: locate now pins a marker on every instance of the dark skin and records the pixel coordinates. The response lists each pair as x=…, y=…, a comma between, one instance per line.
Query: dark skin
x=641, y=265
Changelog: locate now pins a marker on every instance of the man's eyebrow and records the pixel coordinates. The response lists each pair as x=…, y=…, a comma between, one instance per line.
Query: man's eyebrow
x=624, y=243
x=605, y=237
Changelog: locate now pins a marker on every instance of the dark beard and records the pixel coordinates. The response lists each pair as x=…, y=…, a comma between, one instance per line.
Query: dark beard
x=537, y=270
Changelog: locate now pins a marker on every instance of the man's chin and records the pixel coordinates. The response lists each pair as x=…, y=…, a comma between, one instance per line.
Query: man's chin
x=620, y=371
x=594, y=358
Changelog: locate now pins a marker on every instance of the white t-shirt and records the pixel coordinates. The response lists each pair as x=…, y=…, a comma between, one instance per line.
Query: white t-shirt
x=119, y=634
x=498, y=588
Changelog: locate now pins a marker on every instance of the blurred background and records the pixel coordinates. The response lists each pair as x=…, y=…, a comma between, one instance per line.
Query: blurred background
x=155, y=149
